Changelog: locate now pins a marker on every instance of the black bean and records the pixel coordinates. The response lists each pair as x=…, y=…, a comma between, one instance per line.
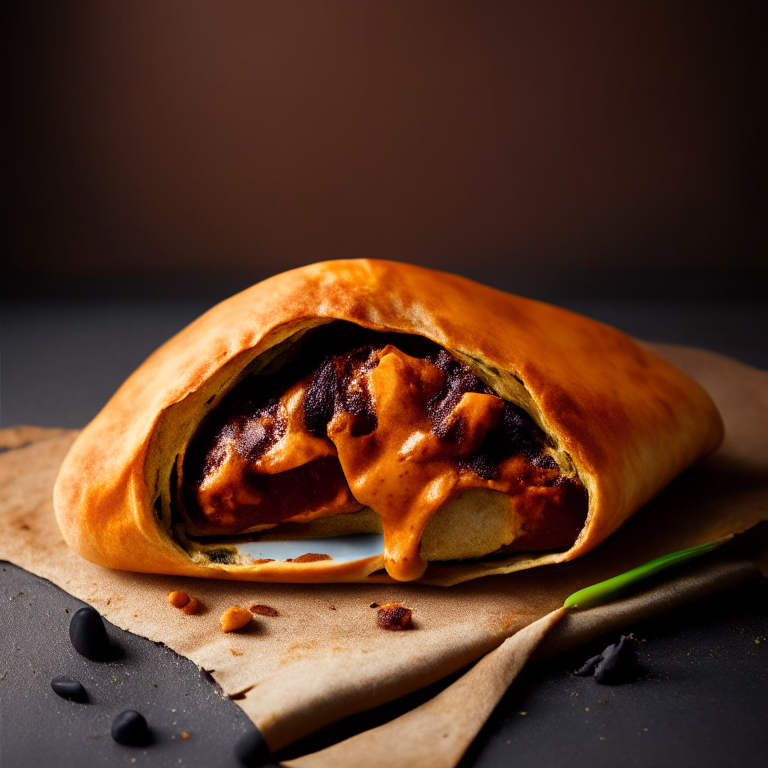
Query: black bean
x=589, y=666
x=611, y=667
x=88, y=634
x=251, y=749
x=130, y=728
x=68, y=688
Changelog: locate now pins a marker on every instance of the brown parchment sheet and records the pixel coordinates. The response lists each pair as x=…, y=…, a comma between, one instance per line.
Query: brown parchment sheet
x=324, y=657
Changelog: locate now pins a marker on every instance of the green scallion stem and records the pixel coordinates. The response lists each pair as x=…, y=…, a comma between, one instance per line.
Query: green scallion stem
x=611, y=589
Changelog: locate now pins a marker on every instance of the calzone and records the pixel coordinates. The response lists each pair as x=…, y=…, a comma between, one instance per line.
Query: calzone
x=368, y=420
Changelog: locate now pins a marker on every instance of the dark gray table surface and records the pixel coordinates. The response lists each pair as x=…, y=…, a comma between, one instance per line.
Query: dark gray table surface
x=698, y=694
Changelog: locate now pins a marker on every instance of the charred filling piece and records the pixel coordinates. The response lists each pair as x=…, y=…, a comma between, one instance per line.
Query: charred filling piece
x=364, y=419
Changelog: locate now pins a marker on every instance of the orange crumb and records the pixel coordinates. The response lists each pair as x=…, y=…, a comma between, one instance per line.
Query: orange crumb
x=184, y=735
x=178, y=599
x=393, y=616
x=263, y=610
x=193, y=607
x=234, y=618
x=235, y=653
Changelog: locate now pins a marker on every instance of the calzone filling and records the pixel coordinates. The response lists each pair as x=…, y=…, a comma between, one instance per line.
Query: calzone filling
x=381, y=432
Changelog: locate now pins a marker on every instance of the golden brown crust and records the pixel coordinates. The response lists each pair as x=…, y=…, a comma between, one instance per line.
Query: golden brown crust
x=626, y=420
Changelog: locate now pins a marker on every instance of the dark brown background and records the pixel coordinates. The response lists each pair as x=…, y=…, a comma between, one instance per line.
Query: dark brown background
x=159, y=155
x=548, y=147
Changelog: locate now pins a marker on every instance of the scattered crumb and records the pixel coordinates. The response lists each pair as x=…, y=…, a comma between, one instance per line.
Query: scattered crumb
x=184, y=735
x=373, y=605
x=154, y=685
x=645, y=729
x=523, y=713
x=263, y=610
x=393, y=616
x=235, y=653
x=234, y=618
x=178, y=599
x=193, y=607
x=602, y=738
x=332, y=607
x=603, y=701
x=586, y=708
x=573, y=693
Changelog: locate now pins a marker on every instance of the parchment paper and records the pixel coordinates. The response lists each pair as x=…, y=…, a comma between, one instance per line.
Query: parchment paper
x=323, y=657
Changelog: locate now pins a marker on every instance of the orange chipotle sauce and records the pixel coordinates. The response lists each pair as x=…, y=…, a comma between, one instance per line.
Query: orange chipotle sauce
x=386, y=421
